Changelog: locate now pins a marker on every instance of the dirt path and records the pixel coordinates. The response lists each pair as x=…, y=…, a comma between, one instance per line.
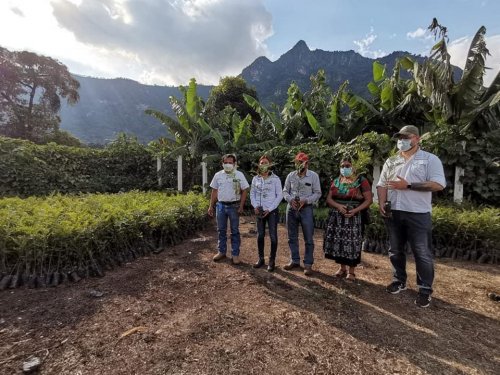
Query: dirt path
x=194, y=316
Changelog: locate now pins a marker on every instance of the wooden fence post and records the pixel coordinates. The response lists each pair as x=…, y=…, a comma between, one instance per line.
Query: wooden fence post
x=179, y=173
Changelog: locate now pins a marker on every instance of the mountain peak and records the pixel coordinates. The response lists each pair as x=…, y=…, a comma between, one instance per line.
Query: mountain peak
x=300, y=46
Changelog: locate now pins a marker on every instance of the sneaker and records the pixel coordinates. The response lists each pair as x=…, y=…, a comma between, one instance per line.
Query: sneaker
x=271, y=266
x=423, y=300
x=395, y=287
x=308, y=270
x=291, y=266
x=236, y=259
x=219, y=256
x=259, y=263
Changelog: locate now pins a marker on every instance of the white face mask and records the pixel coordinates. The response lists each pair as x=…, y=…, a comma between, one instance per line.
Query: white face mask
x=228, y=167
x=404, y=144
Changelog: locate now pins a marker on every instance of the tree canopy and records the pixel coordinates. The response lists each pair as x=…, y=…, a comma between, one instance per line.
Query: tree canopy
x=31, y=88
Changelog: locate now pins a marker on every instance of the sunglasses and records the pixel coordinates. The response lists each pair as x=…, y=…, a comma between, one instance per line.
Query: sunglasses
x=345, y=166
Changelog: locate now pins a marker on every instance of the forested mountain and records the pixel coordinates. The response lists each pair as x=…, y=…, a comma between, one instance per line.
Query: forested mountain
x=110, y=106
x=272, y=79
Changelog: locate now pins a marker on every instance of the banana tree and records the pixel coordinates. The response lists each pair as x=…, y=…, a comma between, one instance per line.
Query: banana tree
x=466, y=104
x=280, y=127
x=192, y=133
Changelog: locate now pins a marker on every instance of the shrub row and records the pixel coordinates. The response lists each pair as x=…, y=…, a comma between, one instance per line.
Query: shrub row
x=45, y=241
x=458, y=232
x=30, y=169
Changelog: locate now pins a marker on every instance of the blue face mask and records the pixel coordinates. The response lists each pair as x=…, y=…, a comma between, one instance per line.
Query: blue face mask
x=346, y=172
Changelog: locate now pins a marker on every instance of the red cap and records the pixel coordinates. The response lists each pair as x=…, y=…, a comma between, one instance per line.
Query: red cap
x=301, y=156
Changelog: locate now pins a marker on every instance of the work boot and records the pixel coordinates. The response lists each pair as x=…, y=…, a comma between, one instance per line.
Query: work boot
x=236, y=259
x=219, y=256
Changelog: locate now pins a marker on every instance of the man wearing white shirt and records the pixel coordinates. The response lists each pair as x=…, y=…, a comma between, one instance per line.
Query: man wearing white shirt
x=265, y=196
x=407, y=182
x=229, y=192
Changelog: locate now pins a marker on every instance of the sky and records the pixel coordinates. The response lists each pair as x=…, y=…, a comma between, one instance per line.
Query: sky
x=168, y=42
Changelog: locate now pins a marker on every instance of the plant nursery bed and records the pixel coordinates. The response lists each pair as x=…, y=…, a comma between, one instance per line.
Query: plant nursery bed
x=178, y=312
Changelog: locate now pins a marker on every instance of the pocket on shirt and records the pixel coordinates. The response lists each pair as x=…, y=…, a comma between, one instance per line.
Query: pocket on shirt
x=419, y=171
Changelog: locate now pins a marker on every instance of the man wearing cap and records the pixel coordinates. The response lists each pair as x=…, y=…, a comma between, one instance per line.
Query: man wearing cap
x=301, y=190
x=229, y=190
x=407, y=182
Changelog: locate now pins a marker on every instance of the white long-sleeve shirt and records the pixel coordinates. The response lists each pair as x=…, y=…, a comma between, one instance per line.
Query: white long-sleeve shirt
x=266, y=192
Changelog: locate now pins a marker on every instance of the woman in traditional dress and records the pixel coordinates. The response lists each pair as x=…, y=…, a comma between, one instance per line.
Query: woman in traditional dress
x=348, y=196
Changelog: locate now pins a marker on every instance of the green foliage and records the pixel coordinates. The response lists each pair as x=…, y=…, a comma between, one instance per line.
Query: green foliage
x=31, y=88
x=30, y=169
x=458, y=231
x=229, y=93
x=61, y=137
x=477, y=156
x=39, y=236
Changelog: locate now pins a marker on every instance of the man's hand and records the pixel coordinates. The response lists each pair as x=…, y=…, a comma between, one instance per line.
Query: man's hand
x=402, y=184
x=211, y=211
x=382, y=210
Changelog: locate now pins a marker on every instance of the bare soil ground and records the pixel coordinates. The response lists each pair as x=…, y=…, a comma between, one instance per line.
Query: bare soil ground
x=180, y=313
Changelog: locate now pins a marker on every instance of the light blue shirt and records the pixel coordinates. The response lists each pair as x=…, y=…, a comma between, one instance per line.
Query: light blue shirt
x=266, y=192
x=229, y=185
x=307, y=187
x=421, y=167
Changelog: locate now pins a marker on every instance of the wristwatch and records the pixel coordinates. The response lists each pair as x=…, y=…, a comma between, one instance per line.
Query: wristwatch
x=408, y=186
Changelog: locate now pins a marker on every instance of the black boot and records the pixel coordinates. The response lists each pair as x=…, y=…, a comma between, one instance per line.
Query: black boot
x=270, y=267
x=259, y=263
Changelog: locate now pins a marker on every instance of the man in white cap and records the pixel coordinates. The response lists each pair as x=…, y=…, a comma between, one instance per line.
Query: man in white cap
x=406, y=184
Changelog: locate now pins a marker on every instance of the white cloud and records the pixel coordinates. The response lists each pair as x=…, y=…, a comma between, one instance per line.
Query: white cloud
x=419, y=34
x=153, y=41
x=458, y=50
x=364, y=48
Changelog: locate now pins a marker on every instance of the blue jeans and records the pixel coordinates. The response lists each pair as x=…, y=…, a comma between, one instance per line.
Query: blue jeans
x=272, y=222
x=305, y=218
x=415, y=228
x=223, y=213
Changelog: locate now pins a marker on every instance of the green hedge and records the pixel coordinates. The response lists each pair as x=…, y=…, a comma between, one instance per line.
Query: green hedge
x=468, y=233
x=43, y=240
x=29, y=169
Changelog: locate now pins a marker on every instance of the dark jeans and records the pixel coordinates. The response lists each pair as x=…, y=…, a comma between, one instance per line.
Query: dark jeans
x=223, y=214
x=305, y=219
x=272, y=222
x=415, y=228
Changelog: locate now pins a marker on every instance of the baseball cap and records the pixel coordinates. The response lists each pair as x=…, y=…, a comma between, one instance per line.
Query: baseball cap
x=407, y=130
x=301, y=156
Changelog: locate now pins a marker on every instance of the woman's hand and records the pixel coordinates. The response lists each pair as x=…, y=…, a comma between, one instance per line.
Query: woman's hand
x=341, y=208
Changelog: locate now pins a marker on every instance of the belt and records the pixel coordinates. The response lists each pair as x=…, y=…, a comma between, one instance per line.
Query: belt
x=230, y=203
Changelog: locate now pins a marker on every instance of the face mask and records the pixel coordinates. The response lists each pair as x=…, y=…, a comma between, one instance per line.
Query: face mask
x=263, y=168
x=228, y=167
x=346, y=172
x=404, y=144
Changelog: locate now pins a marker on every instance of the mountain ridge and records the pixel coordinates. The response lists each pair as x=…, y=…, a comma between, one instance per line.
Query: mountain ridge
x=113, y=105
